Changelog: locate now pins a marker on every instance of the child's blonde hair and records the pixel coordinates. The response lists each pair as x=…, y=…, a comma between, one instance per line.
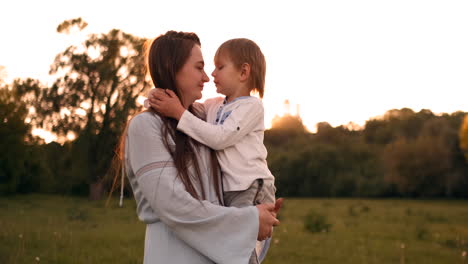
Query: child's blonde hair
x=242, y=50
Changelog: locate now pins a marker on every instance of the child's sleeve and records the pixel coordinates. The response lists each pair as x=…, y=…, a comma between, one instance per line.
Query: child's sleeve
x=200, y=110
x=242, y=120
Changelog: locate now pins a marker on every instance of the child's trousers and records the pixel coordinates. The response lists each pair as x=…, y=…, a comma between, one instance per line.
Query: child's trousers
x=259, y=192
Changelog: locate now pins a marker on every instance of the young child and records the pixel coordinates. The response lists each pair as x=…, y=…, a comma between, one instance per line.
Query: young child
x=234, y=125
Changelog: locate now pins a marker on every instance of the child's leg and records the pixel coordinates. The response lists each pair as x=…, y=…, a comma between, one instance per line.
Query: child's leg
x=266, y=195
x=242, y=199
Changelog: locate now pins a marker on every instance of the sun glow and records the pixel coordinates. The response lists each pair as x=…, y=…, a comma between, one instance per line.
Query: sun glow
x=46, y=135
x=340, y=61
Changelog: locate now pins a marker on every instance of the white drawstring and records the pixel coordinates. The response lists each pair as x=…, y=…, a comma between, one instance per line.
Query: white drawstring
x=122, y=187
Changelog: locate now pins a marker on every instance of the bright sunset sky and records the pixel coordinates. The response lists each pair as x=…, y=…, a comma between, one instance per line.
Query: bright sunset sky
x=339, y=60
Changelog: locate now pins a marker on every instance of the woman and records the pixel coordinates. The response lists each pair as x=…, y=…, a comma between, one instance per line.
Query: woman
x=176, y=181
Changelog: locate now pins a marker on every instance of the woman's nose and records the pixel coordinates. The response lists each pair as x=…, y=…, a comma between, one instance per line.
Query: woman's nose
x=205, y=77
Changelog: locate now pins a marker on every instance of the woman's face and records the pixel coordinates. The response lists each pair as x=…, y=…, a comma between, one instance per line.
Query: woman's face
x=191, y=78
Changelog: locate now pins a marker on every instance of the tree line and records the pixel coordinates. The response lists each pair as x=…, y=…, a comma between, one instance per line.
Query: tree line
x=403, y=154
x=97, y=84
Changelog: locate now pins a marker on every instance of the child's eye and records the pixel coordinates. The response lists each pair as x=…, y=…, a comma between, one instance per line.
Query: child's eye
x=220, y=67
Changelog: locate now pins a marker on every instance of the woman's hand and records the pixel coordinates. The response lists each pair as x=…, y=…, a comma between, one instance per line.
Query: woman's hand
x=166, y=103
x=267, y=219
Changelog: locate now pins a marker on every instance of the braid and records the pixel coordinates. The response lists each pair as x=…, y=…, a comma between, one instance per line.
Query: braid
x=183, y=35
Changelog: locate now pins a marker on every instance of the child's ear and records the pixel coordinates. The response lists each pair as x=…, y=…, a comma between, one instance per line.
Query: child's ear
x=245, y=72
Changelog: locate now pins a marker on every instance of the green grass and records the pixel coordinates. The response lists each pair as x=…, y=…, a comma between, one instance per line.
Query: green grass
x=68, y=230
x=55, y=229
x=373, y=231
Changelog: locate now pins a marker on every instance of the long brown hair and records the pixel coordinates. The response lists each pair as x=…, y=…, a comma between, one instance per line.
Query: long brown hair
x=166, y=56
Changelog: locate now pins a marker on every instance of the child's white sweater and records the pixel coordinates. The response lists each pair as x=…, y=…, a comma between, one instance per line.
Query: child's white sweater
x=235, y=130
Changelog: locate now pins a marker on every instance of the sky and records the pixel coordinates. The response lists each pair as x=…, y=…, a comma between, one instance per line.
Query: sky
x=337, y=61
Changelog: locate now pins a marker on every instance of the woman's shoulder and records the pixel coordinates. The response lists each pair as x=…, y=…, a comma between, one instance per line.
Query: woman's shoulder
x=145, y=121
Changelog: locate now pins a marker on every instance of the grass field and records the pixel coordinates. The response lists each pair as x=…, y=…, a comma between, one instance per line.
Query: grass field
x=54, y=229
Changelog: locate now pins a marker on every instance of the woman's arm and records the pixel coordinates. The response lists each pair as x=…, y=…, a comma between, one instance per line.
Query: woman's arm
x=224, y=234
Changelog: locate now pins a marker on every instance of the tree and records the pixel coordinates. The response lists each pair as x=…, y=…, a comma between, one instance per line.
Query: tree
x=396, y=124
x=13, y=133
x=68, y=25
x=428, y=165
x=96, y=90
x=22, y=166
x=464, y=137
x=403, y=153
x=3, y=75
x=417, y=167
x=288, y=123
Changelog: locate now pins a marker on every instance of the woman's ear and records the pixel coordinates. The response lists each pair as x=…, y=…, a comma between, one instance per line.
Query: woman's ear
x=245, y=72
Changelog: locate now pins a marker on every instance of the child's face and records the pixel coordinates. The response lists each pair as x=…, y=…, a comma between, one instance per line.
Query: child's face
x=226, y=76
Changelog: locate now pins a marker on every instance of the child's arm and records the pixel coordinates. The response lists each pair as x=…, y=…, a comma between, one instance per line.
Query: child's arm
x=199, y=110
x=240, y=122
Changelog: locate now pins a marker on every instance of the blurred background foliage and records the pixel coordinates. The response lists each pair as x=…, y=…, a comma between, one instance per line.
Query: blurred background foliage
x=401, y=154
